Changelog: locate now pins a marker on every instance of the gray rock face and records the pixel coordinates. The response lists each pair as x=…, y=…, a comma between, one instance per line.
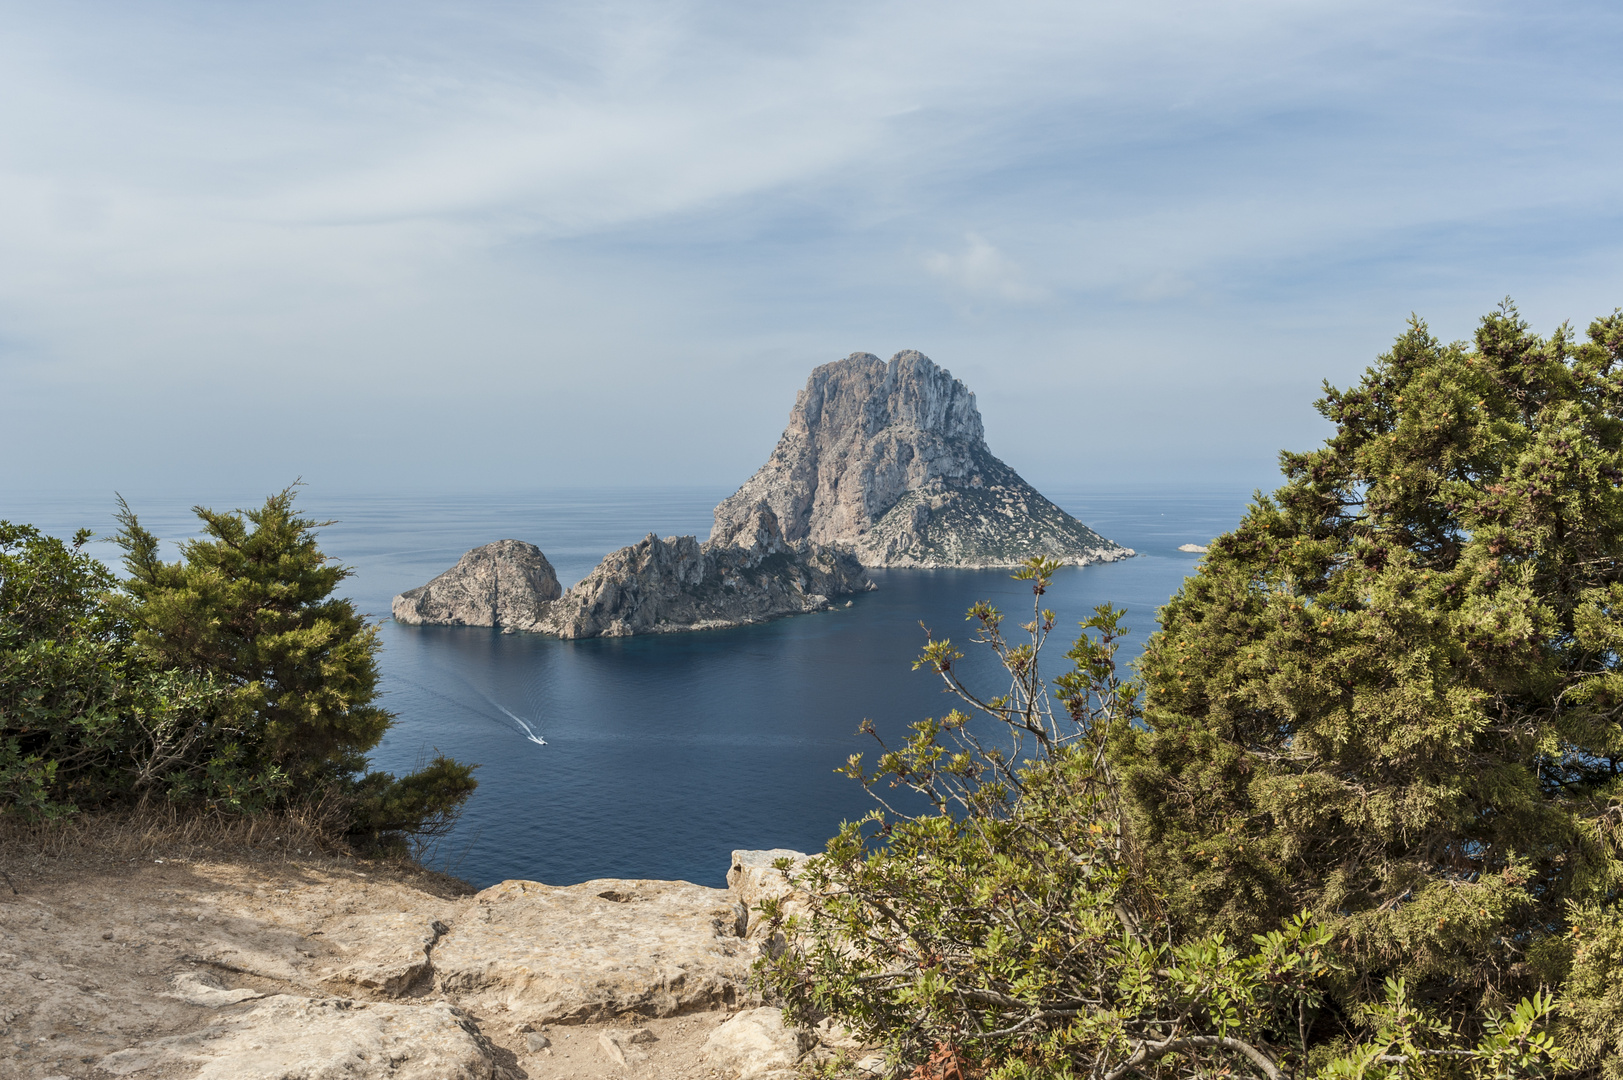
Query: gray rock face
x=507, y=584
x=891, y=459
x=662, y=586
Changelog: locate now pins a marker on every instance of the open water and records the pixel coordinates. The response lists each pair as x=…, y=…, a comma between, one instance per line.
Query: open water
x=657, y=756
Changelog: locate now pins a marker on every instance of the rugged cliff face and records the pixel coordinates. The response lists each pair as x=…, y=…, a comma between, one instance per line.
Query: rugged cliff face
x=663, y=586
x=891, y=460
x=508, y=584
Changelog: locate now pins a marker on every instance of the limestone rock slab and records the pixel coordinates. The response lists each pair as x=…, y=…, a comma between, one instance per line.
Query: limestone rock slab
x=755, y=1044
x=196, y=988
x=596, y=950
x=386, y=952
x=294, y=1038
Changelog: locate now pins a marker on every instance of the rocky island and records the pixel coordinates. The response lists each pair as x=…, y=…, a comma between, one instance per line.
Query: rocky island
x=653, y=587
x=507, y=584
x=891, y=460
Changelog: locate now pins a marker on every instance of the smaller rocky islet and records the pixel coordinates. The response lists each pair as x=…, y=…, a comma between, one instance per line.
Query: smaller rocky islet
x=507, y=584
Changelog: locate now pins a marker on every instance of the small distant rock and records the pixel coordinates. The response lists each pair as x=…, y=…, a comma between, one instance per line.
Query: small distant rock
x=1199, y=549
x=508, y=584
x=535, y=1042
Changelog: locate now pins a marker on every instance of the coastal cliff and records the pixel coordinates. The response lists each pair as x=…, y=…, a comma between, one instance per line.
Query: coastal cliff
x=662, y=586
x=507, y=584
x=891, y=460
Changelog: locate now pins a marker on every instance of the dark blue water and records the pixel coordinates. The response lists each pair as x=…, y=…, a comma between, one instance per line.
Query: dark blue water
x=665, y=753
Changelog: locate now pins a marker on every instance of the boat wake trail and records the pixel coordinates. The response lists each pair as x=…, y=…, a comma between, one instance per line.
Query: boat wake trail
x=519, y=720
x=525, y=729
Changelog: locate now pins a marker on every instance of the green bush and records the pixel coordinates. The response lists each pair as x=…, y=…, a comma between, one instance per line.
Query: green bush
x=1392, y=695
x=1011, y=928
x=1368, y=818
x=232, y=679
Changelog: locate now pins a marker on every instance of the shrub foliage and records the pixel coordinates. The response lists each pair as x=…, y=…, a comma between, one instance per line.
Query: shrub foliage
x=232, y=679
x=1357, y=816
x=1392, y=695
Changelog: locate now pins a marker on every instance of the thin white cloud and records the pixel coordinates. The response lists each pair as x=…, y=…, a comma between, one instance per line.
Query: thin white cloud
x=982, y=271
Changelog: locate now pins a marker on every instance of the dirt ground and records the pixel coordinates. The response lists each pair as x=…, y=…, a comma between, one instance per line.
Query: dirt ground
x=92, y=940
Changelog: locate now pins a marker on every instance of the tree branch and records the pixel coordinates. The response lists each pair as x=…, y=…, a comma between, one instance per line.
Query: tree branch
x=1147, y=1052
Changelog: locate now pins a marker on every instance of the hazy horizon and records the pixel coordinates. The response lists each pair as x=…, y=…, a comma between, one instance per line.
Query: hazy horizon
x=498, y=246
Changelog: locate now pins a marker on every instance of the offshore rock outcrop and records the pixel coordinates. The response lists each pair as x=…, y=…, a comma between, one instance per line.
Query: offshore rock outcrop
x=891, y=460
x=664, y=586
x=507, y=584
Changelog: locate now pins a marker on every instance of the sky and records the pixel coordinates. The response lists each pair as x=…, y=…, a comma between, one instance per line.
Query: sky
x=489, y=246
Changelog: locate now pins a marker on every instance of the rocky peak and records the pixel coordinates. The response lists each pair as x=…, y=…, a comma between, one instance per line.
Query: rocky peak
x=891, y=459
x=756, y=531
x=861, y=434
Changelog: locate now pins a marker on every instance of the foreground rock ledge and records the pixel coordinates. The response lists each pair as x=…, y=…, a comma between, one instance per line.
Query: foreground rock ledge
x=594, y=951
x=287, y=1036
x=175, y=970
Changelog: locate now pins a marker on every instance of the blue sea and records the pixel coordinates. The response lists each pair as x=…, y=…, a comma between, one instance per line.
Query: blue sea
x=662, y=754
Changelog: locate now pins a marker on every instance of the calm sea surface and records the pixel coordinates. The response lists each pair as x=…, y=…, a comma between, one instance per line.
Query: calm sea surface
x=664, y=753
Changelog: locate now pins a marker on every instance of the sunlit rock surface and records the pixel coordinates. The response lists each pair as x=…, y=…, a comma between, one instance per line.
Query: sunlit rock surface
x=663, y=586
x=507, y=584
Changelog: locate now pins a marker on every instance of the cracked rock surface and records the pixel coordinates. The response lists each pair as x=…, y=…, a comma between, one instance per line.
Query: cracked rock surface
x=229, y=965
x=594, y=951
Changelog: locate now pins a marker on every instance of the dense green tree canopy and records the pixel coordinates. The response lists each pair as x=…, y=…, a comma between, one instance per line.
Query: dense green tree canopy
x=254, y=602
x=1392, y=696
x=233, y=679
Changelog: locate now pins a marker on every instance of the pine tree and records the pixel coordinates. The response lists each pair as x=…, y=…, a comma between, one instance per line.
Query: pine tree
x=1392, y=695
x=253, y=606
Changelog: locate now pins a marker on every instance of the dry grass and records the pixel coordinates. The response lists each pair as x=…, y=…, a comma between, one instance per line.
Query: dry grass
x=87, y=841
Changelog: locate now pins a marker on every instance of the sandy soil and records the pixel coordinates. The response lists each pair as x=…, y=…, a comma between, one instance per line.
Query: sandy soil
x=91, y=943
